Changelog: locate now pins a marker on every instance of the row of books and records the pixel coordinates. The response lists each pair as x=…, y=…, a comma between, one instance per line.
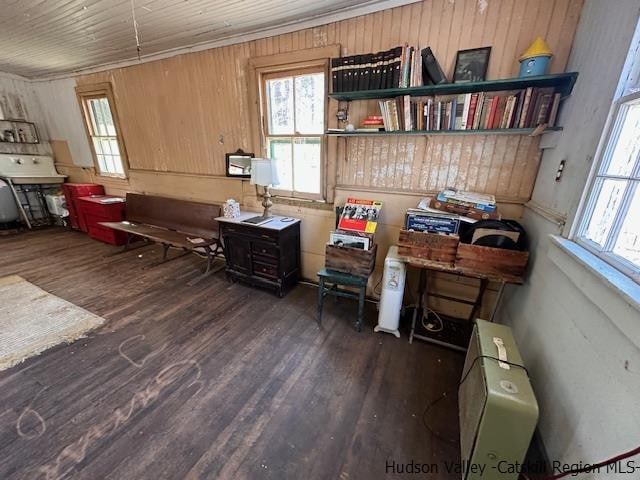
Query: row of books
x=527, y=108
x=400, y=67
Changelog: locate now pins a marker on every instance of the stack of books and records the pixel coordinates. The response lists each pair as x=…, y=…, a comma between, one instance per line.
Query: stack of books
x=399, y=67
x=478, y=206
x=357, y=224
x=526, y=108
x=373, y=123
x=427, y=219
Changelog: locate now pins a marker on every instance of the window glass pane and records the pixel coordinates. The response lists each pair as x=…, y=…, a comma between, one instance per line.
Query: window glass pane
x=280, y=106
x=99, y=122
x=97, y=145
x=306, y=165
x=102, y=163
x=609, y=194
x=106, y=146
x=627, y=244
x=280, y=151
x=101, y=117
x=115, y=149
x=117, y=165
x=309, y=95
x=627, y=144
x=109, y=124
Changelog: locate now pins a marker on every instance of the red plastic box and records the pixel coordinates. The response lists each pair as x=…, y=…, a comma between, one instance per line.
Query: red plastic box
x=73, y=191
x=103, y=208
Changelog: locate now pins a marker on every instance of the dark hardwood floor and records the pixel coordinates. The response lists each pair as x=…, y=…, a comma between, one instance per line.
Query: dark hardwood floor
x=218, y=380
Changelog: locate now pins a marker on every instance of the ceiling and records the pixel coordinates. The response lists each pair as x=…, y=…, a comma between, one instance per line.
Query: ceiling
x=43, y=38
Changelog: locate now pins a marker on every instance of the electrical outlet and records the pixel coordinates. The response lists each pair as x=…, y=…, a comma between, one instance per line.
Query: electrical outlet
x=560, y=170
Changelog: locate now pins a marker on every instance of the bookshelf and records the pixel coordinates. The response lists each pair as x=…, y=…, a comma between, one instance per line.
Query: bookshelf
x=484, y=131
x=562, y=82
x=18, y=132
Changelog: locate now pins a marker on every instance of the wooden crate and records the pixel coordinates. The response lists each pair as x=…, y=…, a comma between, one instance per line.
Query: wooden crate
x=428, y=246
x=354, y=261
x=493, y=260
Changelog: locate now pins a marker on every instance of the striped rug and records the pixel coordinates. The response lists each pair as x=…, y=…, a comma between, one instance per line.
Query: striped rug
x=32, y=320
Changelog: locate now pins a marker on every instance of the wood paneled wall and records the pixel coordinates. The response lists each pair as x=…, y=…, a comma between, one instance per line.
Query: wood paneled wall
x=182, y=114
x=504, y=165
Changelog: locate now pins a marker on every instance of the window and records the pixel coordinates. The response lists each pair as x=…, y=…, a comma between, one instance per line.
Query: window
x=102, y=127
x=294, y=124
x=610, y=224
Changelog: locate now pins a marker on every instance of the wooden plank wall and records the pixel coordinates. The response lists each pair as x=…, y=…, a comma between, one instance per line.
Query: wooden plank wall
x=504, y=165
x=182, y=114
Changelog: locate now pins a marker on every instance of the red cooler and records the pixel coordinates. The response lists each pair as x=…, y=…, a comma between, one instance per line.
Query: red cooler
x=73, y=191
x=103, y=208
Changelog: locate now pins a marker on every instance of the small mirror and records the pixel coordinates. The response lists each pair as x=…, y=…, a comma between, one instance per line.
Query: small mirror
x=239, y=164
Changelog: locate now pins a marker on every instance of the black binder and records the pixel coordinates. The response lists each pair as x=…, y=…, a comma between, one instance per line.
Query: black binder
x=347, y=73
x=335, y=65
x=431, y=68
x=397, y=62
x=376, y=71
x=365, y=74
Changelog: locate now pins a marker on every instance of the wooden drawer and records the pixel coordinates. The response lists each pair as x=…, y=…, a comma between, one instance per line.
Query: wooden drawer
x=265, y=249
x=265, y=270
x=267, y=260
x=261, y=234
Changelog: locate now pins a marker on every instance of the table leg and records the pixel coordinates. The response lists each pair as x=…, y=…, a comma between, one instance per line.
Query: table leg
x=478, y=302
x=422, y=286
x=496, y=304
x=320, y=299
x=363, y=291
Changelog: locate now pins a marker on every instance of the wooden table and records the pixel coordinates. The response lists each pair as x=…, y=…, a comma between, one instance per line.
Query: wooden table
x=484, y=276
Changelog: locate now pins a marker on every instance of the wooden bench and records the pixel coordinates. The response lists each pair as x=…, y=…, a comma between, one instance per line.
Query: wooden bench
x=184, y=224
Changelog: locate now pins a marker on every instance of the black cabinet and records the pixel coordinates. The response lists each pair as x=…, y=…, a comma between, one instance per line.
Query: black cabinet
x=264, y=255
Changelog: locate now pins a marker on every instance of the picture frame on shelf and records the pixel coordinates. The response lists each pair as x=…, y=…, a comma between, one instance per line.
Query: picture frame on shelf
x=18, y=131
x=471, y=65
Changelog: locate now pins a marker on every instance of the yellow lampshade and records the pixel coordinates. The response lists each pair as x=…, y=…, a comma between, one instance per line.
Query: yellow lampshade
x=538, y=48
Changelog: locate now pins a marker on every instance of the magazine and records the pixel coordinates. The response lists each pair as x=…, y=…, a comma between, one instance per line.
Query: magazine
x=344, y=239
x=360, y=215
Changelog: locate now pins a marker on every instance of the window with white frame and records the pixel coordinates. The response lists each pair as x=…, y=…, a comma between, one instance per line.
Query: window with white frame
x=102, y=128
x=610, y=225
x=294, y=114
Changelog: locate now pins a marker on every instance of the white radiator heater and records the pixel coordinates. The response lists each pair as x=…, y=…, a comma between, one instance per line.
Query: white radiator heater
x=392, y=293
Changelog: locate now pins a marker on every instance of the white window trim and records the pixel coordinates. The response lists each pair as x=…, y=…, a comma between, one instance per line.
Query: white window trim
x=293, y=71
x=283, y=61
x=588, y=201
x=86, y=92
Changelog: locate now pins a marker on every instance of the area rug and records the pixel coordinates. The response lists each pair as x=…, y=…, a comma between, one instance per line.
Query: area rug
x=32, y=320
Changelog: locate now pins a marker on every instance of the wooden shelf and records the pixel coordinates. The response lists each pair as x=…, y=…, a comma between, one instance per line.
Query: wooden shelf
x=14, y=127
x=489, y=131
x=562, y=82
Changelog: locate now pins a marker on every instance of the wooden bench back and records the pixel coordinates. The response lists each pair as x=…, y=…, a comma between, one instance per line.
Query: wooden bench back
x=184, y=216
